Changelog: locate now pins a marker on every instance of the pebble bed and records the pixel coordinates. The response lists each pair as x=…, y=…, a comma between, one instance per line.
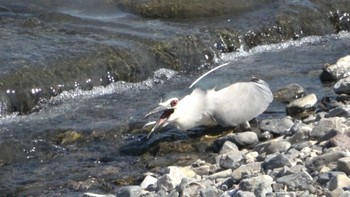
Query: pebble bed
x=305, y=156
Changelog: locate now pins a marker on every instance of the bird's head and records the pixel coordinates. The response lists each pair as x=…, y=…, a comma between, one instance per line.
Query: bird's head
x=168, y=107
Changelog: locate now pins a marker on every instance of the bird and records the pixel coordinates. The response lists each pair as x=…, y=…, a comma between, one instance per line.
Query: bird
x=233, y=105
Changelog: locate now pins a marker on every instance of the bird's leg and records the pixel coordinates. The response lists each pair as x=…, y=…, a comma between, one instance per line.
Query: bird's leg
x=149, y=124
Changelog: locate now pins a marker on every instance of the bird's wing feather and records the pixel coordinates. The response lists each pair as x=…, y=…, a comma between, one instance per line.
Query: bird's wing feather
x=240, y=102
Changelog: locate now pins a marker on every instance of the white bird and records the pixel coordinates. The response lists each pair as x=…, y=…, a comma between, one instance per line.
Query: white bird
x=231, y=106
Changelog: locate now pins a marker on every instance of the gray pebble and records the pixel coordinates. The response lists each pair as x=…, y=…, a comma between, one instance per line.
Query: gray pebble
x=318, y=162
x=341, y=111
x=339, y=181
x=129, y=191
x=342, y=86
x=289, y=93
x=276, y=162
x=259, y=185
x=336, y=71
x=301, y=104
x=279, y=126
x=230, y=159
x=344, y=165
x=300, y=180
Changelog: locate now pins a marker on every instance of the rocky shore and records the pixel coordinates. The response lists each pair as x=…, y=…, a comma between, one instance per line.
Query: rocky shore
x=304, y=154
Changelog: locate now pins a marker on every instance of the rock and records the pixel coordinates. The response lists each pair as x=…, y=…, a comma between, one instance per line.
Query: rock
x=327, y=124
x=230, y=159
x=343, y=85
x=301, y=105
x=339, y=181
x=282, y=194
x=289, y=93
x=301, y=133
x=245, y=139
x=228, y=147
x=279, y=126
x=210, y=191
x=327, y=176
x=260, y=185
x=190, y=187
x=241, y=193
x=273, y=146
x=221, y=174
x=341, y=111
x=246, y=171
x=339, y=140
x=300, y=180
x=344, y=165
x=318, y=162
x=276, y=162
x=339, y=70
x=129, y=191
x=89, y=194
x=173, y=177
x=148, y=181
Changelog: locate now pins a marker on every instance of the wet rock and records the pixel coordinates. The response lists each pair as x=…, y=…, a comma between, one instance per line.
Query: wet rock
x=343, y=85
x=279, y=126
x=149, y=181
x=289, y=93
x=259, y=185
x=277, y=161
x=68, y=137
x=301, y=105
x=129, y=191
x=341, y=111
x=301, y=180
x=318, y=162
x=344, y=165
x=339, y=181
x=339, y=70
x=173, y=177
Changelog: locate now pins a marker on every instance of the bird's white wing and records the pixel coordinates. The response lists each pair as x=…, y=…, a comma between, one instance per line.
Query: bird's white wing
x=240, y=102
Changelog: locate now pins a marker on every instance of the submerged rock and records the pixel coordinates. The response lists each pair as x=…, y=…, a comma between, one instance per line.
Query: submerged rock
x=289, y=93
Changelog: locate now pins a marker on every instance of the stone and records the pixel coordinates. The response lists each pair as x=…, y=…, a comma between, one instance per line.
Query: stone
x=129, y=191
x=339, y=181
x=276, y=145
x=210, y=191
x=259, y=185
x=276, y=162
x=190, y=187
x=289, y=93
x=339, y=140
x=327, y=124
x=300, y=180
x=173, y=177
x=339, y=70
x=228, y=147
x=318, y=162
x=278, y=126
x=344, y=165
x=230, y=159
x=323, y=178
x=246, y=171
x=148, y=181
x=221, y=174
x=301, y=104
x=241, y=193
x=245, y=139
x=89, y=194
x=341, y=111
x=343, y=85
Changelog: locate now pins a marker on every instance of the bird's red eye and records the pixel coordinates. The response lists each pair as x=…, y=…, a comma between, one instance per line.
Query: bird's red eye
x=173, y=103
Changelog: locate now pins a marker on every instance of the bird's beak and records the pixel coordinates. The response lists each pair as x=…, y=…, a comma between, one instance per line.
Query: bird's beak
x=163, y=118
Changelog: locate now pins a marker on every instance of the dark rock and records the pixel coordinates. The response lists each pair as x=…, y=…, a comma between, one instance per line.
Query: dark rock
x=341, y=111
x=276, y=162
x=280, y=126
x=289, y=93
x=129, y=191
x=300, y=180
x=260, y=185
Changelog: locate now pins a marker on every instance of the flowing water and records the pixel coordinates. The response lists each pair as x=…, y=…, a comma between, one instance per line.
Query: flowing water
x=91, y=139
